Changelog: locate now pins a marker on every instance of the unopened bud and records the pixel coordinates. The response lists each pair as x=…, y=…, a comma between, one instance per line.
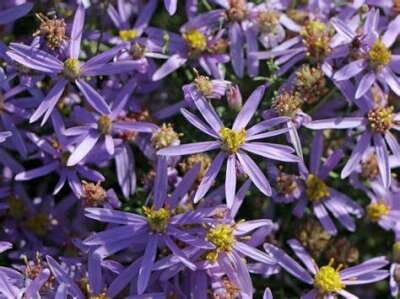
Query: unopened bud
x=234, y=98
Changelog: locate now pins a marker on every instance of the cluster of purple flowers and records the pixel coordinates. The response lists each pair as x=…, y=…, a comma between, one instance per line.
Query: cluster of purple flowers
x=136, y=106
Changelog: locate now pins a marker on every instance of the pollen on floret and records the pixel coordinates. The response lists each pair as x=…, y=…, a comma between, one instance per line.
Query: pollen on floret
x=192, y=160
x=311, y=84
x=237, y=11
x=267, y=20
x=165, y=137
x=327, y=280
x=195, y=40
x=158, y=220
x=286, y=184
x=204, y=85
x=128, y=35
x=53, y=30
x=104, y=124
x=72, y=68
x=222, y=237
x=377, y=210
x=93, y=194
x=316, y=37
x=85, y=287
x=231, y=139
x=286, y=104
x=316, y=189
x=379, y=55
x=381, y=119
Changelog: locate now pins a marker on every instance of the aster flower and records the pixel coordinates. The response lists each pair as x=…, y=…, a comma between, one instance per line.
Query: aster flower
x=11, y=14
x=233, y=144
x=55, y=153
x=322, y=197
x=313, y=42
x=374, y=122
x=394, y=279
x=374, y=61
x=327, y=281
x=158, y=227
x=103, y=126
x=197, y=44
x=383, y=208
x=71, y=70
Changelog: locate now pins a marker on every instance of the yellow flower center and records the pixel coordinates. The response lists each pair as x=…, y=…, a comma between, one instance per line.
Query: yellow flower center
x=380, y=119
x=316, y=189
x=104, y=124
x=204, y=85
x=375, y=211
x=72, y=68
x=327, y=279
x=222, y=237
x=165, y=137
x=195, y=40
x=232, y=140
x=316, y=37
x=158, y=219
x=128, y=35
x=379, y=55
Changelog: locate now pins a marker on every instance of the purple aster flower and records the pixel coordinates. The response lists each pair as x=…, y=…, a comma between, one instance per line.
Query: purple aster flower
x=384, y=208
x=70, y=70
x=374, y=122
x=195, y=44
x=105, y=126
x=11, y=14
x=324, y=198
x=160, y=225
x=374, y=61
x=327, y=281
x=55, y=154
x=233, y=144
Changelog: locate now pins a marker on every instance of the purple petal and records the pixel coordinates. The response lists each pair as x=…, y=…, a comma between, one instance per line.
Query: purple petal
x=160, y=183
x=289, y=264
x=76, y=32
x=171, y=5
x=248, y=109
x=391, y=79
x=365, y=84
x=195, y=121
x=382, y=156
x=316, y=152
x=356, y=155
x=117, y=217
x=14, y=13
x=393, y=144
x=37, y=172
x=236, y=40
x=254, y=173
x=302, y=254
x=336, y=123
x=83, y=148
x=207, y=111
x=230, y=180
x=270, y=151
x=179, y=253
x=323, y=216
x=191, y=148
x=209, y=177
x=147, y=263
x=350, y=70
x=254, y=253
x=93, y=97
x=184, y=186
x=173, y=63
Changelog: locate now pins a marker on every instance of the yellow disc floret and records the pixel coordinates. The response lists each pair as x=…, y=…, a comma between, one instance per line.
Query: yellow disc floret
x=222, y=237
x=381, y=119
x=104, y=124
x=158, y=219
x=376, y=210
x=128, y=35
x=316, y=189
x=327, y=280
x=72, y=68
x=195, y=40
x=379, y=55
x=316, y=37
x=232, y=140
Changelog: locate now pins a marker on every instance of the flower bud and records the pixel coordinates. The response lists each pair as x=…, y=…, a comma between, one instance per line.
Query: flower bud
x=234, y=98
